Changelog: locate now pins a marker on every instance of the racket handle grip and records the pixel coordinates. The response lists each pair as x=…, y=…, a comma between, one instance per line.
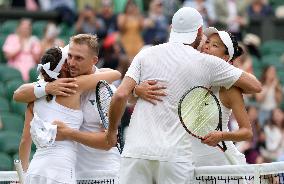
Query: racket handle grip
x=19, y=169
x=231, y=159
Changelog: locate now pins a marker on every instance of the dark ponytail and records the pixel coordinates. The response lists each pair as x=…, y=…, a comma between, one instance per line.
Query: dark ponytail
x=238, y=51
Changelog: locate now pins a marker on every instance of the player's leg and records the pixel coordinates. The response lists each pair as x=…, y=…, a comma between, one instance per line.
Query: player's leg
x=138, y=171
x=175, y=172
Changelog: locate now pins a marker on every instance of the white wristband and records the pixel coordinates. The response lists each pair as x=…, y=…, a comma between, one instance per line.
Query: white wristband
x=39, y=89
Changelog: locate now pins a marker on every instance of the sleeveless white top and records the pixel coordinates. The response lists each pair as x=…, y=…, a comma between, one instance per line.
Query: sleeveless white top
x=56, y=162
x=204, y=155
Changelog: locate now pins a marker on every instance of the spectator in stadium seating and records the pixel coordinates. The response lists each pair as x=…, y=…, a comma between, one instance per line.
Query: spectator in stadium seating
x=170, y=7
x=252, y=42
x=66, y=9
x=21, y=49
x=119, y=5
x=251, y=148
x=271, y=95
x=231, y=15
x=30, y=5
x=273, y=130
x=244, y=61
x=130, y=25
x=113, y=54
x=108, y=17
x=88, y=22
x=50, y=37
x=259, y=9
x=205, y=8
x=95, y=4
x=156, y=25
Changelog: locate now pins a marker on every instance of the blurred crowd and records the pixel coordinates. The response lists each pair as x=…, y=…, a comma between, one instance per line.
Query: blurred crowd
x=124, y=27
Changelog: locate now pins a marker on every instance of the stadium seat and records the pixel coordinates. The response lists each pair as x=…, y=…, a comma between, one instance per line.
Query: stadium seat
x=276, y=3
x=9, y=26
x=272, y=59
x=33, y=74
x=4, y=105
x=11, y=86
x=9, y=142
x=256, y=63
x=66, y=31
x=6, y=162
x=282, y=105
x=38, y=28
x=280, y=74
x=2, y=90
x=8, y=73
x=19, y=108
x=12, y=122
x=2, y=41
x=272, y=47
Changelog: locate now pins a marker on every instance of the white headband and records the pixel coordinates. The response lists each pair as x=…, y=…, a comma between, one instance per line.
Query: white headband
x=225, y=37
x=54, y=73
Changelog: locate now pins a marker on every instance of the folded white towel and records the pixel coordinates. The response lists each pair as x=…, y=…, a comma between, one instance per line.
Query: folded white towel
x=43, y=133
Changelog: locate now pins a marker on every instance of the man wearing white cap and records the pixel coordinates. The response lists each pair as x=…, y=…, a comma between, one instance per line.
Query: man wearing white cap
x=157, y=148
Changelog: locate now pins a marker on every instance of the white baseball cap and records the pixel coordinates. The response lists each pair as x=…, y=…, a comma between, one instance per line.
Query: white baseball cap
x=225, y=37
x=185, y=24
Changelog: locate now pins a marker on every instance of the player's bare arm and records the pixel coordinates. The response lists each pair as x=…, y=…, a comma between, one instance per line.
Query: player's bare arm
x=63, y=87
x=117, y=107
x=248, y=83
x=92, y=139
x=26, y=140
x=234, y=100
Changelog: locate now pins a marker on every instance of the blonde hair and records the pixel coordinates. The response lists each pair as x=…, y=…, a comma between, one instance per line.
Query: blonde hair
x=87, y=39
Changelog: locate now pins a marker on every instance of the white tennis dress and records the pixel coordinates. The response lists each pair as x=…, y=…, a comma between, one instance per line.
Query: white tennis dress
x=204, y=155
x=56, y=163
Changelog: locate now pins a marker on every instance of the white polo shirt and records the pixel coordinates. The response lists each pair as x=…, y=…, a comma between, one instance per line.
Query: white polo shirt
x=155, y=131
x=94, y=164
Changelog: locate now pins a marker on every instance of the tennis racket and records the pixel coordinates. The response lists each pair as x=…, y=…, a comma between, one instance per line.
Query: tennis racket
x=19, y=169
x=103, y=98
x=200, y=113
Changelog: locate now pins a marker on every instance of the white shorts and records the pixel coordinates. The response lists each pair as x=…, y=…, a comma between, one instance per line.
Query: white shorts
x=33, y=179
x=155, y=172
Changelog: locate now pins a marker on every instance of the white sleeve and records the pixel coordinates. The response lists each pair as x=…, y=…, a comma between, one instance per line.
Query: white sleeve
x=134, y=70
x=223, y=73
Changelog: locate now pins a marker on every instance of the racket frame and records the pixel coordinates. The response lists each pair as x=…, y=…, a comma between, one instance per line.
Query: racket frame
x=102, y=116
x=219, y=126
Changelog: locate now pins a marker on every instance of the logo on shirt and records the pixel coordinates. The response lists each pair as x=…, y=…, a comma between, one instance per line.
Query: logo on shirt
x=93, y=102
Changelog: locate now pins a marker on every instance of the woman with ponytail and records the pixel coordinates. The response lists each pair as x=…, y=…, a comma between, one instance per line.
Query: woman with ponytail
x=225, y=46
x=54, y=161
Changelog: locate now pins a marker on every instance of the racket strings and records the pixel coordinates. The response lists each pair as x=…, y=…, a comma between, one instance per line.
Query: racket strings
x=104, y=102
x=191, y=108
x=198, y=111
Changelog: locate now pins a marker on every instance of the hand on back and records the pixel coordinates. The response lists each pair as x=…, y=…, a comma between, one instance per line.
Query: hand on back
x=62, y=87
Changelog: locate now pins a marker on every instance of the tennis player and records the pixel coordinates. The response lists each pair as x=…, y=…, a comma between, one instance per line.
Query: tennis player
x=157, y=148
x=54, y=161
x=225, y=46
x=94, y=164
